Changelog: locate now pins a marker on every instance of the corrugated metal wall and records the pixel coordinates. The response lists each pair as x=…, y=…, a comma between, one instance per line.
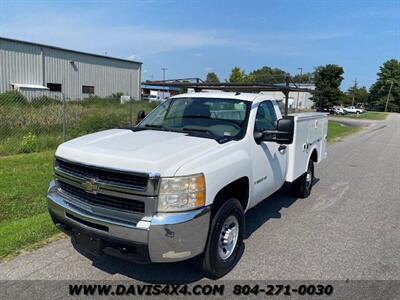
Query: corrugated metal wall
x=23, y=63
x=19, y=63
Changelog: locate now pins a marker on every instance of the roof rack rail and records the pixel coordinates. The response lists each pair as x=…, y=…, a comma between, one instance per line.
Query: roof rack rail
x=199, y=85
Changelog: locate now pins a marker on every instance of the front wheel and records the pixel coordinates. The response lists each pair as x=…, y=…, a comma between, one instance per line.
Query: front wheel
x=225, y=240
x=302, y=186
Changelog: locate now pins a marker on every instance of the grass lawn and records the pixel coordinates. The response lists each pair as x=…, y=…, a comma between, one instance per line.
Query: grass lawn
x=336, y=130
x=369, y=115
x=24, y=220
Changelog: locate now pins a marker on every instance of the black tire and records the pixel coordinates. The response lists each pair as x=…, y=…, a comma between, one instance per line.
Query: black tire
x=302, y=186
x=213, y=265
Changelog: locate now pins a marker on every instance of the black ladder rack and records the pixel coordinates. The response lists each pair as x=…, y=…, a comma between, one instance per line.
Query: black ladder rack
x=199, y=85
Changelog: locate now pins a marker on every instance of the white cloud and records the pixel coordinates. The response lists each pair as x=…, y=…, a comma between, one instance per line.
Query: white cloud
x=134, y=57
x=207, y=69
x=84, y=32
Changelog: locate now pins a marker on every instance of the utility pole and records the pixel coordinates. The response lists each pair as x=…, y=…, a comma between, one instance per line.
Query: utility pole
x=298, y=93
x=163, y=73
x=301, y=71
x=388, y=96
x=354, y=92
x=163, y=78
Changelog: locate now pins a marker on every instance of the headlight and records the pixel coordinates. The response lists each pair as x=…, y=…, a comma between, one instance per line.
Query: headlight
x=182, y=193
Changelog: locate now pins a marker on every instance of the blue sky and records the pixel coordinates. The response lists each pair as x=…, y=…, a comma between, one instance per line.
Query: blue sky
x=191, y=38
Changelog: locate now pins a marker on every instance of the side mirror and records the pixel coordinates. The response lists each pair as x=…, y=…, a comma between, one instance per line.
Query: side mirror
x=282, y=135
x=140, y=116
x=285, y=131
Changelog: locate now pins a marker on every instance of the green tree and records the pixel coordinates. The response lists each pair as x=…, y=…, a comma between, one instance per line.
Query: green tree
x=389, y=74
x=266, y=75
x=303, y=78
x=327, y=81
x=355, y=95
x=237, y=75
x=212, y=78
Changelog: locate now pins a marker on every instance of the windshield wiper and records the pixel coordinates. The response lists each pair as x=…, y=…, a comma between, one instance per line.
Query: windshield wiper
x=147, y=126
x=210, y=134
x=186, y=129
x=157, y=127
x=153, y=126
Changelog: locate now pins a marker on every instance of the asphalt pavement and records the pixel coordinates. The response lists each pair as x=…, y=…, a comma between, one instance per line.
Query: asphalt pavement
x=349, y=228
x=352, y=122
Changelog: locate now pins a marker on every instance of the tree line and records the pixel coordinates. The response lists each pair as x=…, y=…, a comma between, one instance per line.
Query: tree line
x=384, y=94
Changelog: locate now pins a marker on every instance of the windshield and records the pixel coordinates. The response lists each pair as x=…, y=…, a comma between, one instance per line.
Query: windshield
x=216, y=118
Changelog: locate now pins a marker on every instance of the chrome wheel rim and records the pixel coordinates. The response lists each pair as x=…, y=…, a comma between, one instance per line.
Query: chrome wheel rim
x=228, y=237
x=308, y=179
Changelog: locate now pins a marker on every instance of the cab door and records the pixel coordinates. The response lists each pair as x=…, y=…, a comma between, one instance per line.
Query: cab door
x=269, y=159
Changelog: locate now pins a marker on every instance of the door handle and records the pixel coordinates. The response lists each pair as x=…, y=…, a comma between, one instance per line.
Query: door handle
x=282, y=148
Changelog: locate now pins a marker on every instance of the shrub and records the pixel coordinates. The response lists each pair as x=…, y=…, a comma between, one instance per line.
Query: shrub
x=93, y=99
x=12, y=97
x=28, y=143
x=44, y=100
x=117, y=95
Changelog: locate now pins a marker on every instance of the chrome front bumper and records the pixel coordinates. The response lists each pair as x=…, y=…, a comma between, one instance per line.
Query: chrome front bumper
x=168, y=237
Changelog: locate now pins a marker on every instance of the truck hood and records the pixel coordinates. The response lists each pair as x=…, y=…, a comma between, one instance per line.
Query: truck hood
x=137, y=151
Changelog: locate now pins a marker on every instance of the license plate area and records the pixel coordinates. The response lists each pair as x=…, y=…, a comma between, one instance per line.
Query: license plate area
x=88, y=242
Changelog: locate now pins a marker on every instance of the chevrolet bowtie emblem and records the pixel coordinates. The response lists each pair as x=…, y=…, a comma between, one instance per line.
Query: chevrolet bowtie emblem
x=90, y=186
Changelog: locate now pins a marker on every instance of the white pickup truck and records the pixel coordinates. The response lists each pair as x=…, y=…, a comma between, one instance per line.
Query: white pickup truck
x=353, y=110
x=177, y=185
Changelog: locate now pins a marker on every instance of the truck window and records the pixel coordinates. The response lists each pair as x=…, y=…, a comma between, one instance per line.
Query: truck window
x=266, y=117
x=213, y=117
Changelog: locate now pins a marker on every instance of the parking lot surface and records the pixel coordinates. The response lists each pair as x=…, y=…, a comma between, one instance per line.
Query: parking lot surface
x=349, y=228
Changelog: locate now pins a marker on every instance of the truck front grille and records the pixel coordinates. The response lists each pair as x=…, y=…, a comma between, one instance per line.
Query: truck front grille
x=102, y=200
x=137, y=181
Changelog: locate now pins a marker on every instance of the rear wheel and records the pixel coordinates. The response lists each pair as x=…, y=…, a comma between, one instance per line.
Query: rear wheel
x=302, y=186
x=225, y=241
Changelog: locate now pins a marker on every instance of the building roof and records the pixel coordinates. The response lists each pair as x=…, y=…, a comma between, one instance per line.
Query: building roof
x=161, y=88
x=69, y=50
x=29, y=86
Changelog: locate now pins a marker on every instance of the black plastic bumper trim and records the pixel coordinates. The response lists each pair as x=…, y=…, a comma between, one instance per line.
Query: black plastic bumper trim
x=135, y=252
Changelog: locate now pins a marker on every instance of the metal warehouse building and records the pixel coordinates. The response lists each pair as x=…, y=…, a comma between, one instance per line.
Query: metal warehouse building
x=36, y=69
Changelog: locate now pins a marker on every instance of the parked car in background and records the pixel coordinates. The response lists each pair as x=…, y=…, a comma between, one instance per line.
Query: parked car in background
x=323, y=109
x=338, y=110
x=353, y=110
x=156, y=96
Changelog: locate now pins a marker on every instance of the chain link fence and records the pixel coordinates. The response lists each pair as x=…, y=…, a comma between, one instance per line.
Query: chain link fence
x=41, y=121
